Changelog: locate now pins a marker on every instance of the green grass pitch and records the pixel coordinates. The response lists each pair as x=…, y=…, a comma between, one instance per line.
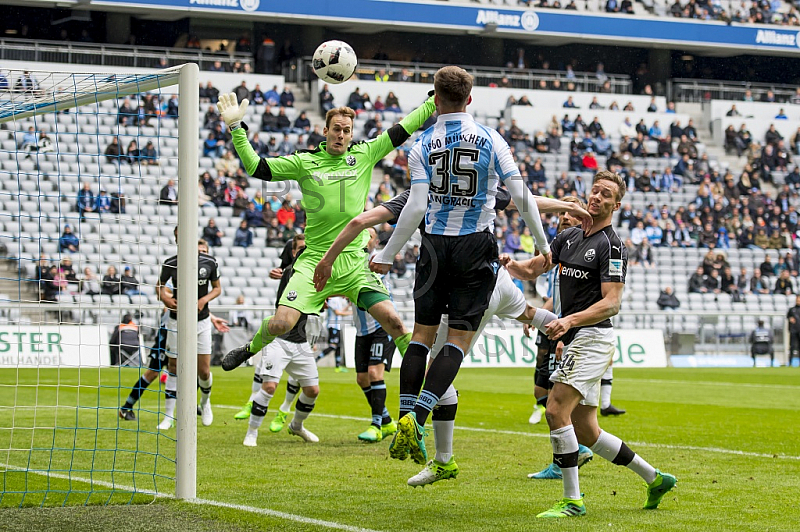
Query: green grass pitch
x=729, y=435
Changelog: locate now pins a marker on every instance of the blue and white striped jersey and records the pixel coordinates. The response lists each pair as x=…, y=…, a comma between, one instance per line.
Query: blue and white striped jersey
x=364, y=322
x=463, y=162
x=336, y=303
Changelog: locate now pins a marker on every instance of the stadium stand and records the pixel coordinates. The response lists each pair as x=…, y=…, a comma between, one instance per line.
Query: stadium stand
x=673, y=265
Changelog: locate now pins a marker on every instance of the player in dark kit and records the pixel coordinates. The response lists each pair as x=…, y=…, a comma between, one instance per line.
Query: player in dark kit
x=794, y=331
x=592, y=270
x=208, y=289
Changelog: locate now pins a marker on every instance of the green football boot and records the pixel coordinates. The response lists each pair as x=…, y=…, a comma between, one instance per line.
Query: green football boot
x=372, y=434
x=435, y=471
x=409, y=439
x=277, y=423
x=244, y=413
x=565, y=508
x=656, y=490
x=388, y=429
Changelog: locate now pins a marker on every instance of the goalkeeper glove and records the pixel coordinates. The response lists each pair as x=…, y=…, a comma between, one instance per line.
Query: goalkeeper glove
x=230, y=111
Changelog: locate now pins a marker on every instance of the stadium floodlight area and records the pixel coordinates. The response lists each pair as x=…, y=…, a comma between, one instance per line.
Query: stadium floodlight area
x=62, y=380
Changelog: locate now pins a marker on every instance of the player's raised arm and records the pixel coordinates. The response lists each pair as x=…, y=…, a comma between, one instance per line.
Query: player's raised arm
x=351, y=231
x=507, y=170
x=288, y=167
x=396, y=135
x=526, y=270
x=549, y=205
x=412, y=213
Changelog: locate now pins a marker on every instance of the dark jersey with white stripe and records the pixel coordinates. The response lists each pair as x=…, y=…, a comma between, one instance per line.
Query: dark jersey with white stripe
x=207, y=272
x=584, y=263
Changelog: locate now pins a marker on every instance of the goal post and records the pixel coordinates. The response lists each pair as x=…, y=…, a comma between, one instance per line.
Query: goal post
x=186, y=418
x=61, y=440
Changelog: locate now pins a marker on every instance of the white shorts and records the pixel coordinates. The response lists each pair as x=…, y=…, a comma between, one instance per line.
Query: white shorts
x=203, y=337
x=584, y=362
x=297, y=359
x=507, y=301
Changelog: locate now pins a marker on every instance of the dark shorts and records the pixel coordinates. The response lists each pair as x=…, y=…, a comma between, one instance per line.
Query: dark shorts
x=334, y=336
x=373, y=349
x=455, y=276
x=158, y=353
x=545, y=362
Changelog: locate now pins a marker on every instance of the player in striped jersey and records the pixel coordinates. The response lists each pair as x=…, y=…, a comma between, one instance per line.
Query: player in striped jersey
x=374, y=351
x=455, y=168
x=507, y=301
x=338, y=308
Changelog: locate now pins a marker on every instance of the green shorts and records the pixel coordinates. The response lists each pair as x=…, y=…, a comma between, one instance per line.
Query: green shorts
x=350, y=277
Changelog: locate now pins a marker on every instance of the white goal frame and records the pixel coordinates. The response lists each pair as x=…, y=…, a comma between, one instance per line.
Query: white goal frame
x=114, y=86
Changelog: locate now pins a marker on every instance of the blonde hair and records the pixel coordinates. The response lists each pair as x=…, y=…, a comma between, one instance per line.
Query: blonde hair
x=339, y=111
x=453, y=86
x=608, y=175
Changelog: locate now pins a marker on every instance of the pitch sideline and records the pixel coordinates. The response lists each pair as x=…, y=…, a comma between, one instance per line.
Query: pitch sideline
x=719, y=450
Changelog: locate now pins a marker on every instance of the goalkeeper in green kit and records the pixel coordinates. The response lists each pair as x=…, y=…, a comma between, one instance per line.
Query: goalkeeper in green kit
x=335, y=181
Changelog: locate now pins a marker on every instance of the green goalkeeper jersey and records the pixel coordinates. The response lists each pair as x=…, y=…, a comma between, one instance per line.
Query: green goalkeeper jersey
x=334, y=187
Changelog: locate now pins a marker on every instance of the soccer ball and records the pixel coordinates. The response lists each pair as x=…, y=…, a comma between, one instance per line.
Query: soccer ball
x=334, y=62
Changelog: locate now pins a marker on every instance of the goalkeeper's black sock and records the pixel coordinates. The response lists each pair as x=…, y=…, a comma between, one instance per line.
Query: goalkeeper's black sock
x=136, y=392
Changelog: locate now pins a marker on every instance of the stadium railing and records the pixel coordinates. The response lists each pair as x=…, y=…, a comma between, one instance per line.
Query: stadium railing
x=39, y=51
x=300, y=71
x=700, y=90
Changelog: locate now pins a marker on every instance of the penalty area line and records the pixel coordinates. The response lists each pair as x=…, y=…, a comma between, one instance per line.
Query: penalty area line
x=201, y=502
x=717, y=450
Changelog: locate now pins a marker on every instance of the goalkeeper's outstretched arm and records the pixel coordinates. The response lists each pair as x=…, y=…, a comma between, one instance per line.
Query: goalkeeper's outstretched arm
x=282, y=167
x=396, y=135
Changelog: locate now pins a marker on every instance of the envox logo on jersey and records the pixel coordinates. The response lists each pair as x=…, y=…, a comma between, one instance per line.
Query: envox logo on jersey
x=574, y=273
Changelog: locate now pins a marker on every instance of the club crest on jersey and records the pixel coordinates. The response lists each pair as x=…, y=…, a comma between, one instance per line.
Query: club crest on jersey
x=350, y=160
x=589, y=256
x=202, y=272
x=292, y=295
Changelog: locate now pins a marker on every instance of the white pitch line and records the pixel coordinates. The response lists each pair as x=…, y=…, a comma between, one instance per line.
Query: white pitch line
x=202, y=502
x=711, y=383
x=539, y=435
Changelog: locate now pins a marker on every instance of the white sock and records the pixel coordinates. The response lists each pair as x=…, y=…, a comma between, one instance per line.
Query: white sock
x=205, y=388
x=564, y=442
x=542, y=318
x=169, y=404
x=640, y=466
x=443, y=430
x=286, y=407
x=615, y=451
x=260, y=405
x=605, y=396
x=605, y=388
x=254, y=389
x=302, y=410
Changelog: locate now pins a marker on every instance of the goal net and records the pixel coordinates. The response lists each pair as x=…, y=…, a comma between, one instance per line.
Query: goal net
x=92, y=168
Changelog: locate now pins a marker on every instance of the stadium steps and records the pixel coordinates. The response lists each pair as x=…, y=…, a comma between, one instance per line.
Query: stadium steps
x=13, y=290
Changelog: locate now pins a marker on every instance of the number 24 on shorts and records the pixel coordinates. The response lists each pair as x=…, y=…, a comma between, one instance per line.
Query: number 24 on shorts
x=567, y=364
